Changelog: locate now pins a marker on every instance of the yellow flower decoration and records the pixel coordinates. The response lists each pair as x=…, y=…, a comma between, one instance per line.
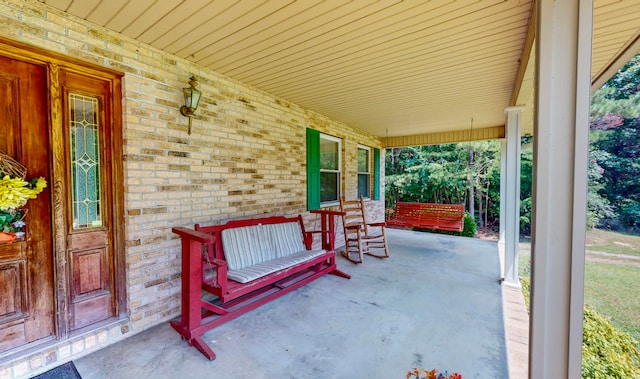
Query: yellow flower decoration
x=14, y=192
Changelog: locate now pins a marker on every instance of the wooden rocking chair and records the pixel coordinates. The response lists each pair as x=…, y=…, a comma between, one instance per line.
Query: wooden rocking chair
x=361, y=237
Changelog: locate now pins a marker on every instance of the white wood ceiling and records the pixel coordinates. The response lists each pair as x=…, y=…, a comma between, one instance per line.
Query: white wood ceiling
x=389, y=67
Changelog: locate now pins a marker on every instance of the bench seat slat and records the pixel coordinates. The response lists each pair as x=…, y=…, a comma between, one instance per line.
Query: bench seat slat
x=259, y=270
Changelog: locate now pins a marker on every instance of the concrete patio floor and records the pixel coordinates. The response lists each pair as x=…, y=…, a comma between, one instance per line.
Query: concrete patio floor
x=435, y=303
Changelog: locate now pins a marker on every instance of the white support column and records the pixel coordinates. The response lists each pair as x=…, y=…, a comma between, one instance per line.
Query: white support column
x=512, y=196
x=563, y=65
x=503, y=189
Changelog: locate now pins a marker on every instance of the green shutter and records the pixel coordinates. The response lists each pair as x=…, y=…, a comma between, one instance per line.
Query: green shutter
x=376, y=174
x=313, y=169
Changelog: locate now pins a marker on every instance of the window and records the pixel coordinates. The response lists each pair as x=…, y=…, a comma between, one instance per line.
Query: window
x=376, y=174
x=364, y=171
x=330, y=163
x=324, y=176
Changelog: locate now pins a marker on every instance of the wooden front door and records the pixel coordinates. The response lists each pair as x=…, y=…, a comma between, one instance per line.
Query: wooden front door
x=62, y=121
x=27, y=303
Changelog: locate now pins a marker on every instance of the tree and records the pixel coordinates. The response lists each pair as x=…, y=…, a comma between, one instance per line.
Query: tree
x=614, y=187
x=617, y=153
x=453, y=173
x=598, y=207
x=425, y=174
x=526, y=187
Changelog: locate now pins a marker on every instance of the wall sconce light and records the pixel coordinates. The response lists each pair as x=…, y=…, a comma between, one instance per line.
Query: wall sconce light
x=191, y=100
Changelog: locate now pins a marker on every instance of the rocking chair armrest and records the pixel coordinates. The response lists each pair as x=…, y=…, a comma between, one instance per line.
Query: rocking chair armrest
x=381, y=224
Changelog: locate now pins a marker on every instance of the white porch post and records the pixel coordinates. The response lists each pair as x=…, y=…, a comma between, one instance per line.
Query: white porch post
x=563, y=62
x=512, y=196
x=503, y=189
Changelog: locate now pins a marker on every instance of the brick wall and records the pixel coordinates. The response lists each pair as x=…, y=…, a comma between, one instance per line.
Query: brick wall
x=245, y=157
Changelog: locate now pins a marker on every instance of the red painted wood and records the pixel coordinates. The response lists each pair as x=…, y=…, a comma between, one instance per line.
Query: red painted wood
x=428, y=216
x=204, y=268
x=327, y=223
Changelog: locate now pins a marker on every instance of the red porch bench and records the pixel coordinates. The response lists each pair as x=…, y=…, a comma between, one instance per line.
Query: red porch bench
x=427, y=215
x=244, y=263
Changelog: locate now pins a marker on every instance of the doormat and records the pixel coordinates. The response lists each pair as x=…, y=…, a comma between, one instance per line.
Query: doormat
x=66, y=371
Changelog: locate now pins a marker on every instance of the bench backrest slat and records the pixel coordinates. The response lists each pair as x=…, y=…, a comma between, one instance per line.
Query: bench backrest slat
x=286, y=238
x=246, y=246
x=244, y=243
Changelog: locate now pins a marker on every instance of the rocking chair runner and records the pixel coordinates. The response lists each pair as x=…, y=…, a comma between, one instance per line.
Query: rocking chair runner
x=361, y=237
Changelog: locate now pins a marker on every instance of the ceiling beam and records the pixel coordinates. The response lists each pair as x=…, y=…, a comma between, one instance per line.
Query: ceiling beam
x=630, y=51
x=494, y=132
x=526, y=55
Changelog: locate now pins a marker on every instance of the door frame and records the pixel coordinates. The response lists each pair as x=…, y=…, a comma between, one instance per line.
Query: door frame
x=53, y=63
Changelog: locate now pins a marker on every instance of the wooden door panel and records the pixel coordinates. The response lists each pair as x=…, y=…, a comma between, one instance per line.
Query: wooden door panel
x=93, y=310
x=89, y=273
x=90, y=235
x=92, y=300
x=10, y=298
x=8, y=101
x=14, y=294
x=86, y=240
x=12, y=334
x=26, y=266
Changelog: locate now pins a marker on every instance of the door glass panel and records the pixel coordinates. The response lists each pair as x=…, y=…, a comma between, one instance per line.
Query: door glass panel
x=85, y=161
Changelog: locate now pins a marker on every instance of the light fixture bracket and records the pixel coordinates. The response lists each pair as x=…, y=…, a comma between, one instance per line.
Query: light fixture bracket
x=191, y=99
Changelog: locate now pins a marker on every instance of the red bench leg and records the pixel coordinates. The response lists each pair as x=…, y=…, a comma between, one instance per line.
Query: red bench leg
x=202, y=347
x=340, y=273
x=336, y=271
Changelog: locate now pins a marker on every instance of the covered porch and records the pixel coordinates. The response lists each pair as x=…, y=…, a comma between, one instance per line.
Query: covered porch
x=435, y=303
x=377, y=75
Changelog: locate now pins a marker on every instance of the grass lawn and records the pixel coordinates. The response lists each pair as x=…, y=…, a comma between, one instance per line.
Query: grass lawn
x=614, y=291
x=615, y=243
x=612, y=288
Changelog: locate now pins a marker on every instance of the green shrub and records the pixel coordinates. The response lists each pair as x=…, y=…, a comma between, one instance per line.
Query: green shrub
x=469, y=226
x=526, y=291
x=606, y=351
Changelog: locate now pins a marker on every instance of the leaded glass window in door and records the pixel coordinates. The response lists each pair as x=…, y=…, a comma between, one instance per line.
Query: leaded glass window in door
x=85, y=161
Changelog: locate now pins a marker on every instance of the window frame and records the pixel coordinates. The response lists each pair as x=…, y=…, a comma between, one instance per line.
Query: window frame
x=338, y=171
x=368, y=149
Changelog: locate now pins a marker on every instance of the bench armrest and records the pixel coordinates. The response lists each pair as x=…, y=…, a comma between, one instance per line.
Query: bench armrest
x=220, y=279
x=193, y=234
x=308, y=236
x=219, y=262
